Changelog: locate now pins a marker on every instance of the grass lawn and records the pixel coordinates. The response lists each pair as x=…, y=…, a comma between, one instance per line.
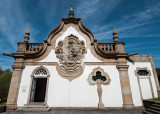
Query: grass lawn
x=156, y=99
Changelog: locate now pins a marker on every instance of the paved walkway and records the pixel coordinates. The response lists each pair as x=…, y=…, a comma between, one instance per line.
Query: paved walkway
x=114, y=111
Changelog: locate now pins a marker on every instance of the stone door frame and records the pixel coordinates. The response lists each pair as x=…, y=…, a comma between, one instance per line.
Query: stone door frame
x=31, y=82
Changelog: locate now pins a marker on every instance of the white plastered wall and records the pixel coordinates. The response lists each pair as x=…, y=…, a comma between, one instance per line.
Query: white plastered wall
x=70, y=30
x=77, y=93
x=144, y=82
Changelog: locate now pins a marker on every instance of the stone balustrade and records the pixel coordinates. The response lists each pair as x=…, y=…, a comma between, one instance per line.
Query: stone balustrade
x=34, y=47
x=107, y=47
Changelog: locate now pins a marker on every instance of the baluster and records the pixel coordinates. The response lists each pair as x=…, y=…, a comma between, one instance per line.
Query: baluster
x=29, y=49
x=104, y=47
x=108, y=46
x=32, y=47
x=40, y=46
x=111, y=47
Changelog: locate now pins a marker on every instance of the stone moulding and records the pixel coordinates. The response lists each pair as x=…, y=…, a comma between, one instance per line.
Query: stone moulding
x=149, y=78
x=92, y=82
x=40, y=67
x=31, y=82
x=70, y=75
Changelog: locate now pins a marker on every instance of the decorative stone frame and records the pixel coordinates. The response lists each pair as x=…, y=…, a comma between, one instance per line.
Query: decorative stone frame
x=99, y=82
x=148, y=76
x=91, y=82
x=70, y=75
x=32, y=76
x=145, y=68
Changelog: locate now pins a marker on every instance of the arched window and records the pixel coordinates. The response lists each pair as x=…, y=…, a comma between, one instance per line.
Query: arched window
x=40, y=73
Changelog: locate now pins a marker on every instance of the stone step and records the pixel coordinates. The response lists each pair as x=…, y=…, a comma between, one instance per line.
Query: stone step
x=154, y=108
x=145, y=112
x=153, y=111
x=157, y=102
x=156, y=105
x=35, y=106
x=36, y=103
x=33, y=109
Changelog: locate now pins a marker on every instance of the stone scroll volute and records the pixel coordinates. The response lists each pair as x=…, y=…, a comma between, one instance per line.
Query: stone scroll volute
x=99, y=77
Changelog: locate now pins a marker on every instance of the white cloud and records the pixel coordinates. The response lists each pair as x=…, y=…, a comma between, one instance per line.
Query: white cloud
x=140, y=44
x=6, y=59
x=140, y=48
x=86, y=8
x=92, y=7
x=131, y=23
x=13, y=23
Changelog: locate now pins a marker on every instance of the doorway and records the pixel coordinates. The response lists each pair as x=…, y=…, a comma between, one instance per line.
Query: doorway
x=38, y=90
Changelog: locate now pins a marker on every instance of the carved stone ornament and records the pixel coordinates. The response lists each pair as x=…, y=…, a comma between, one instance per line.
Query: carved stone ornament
x=70, y=53
x=99, y=77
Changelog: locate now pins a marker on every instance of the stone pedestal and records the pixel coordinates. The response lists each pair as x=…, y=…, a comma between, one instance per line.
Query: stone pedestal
x=99, y=89
x=125, y=86
x=14, y=86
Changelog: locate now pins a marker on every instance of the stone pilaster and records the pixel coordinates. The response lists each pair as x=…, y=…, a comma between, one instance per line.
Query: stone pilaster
x=14, y=85
x=155, y=74
x=125, y=85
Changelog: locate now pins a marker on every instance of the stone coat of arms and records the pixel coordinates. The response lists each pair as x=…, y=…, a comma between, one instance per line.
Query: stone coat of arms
x=70, y=53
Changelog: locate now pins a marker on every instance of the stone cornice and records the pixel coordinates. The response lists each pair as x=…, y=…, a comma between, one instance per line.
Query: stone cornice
x=18, y=67
x=122, y=67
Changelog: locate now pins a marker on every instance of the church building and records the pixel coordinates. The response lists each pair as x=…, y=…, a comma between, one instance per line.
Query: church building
x=72, y=70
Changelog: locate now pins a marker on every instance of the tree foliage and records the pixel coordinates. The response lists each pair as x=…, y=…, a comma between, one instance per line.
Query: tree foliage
x=1, y=71
x=5, y=79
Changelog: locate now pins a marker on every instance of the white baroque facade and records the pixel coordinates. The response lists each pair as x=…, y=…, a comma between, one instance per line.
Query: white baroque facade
x=71, y=69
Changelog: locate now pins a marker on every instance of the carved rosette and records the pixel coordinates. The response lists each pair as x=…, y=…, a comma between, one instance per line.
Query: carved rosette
x=70, y=53
x=99, y=77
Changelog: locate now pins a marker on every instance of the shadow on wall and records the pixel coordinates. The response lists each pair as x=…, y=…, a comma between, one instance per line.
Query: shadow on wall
x=3, y=109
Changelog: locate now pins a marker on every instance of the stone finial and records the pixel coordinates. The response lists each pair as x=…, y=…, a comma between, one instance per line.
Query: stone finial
x=26, y=37
x=115, y=36
x=71, y=12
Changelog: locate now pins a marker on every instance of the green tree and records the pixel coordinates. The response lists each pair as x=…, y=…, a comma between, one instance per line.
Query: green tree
x=4, y=83
x=1, y=71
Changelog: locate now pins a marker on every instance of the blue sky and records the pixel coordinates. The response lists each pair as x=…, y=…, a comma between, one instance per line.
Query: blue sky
x=137, y=22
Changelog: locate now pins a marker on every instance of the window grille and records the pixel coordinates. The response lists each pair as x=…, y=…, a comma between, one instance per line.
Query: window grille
x=98, y=76
x=143, y=73
x=40, y=72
